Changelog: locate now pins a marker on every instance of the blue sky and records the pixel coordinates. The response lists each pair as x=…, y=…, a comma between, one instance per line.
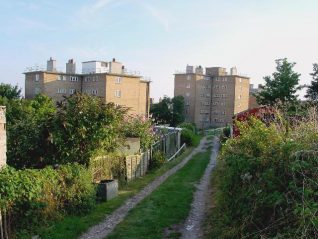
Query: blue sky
x=158, y=37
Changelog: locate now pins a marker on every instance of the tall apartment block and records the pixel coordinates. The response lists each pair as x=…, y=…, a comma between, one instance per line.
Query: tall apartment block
x=109, y=80
x=212, y=97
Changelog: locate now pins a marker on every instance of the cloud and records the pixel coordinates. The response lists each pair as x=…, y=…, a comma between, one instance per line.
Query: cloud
x=88, y=12
x=156, y=13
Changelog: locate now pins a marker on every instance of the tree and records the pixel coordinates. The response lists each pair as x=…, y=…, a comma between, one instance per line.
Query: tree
x=178, y=110
x=10, y=92
x=312, y=91
x=28, y=130
x=161, y=112
x=169, y=111
x=85, y=126
x=281, y=86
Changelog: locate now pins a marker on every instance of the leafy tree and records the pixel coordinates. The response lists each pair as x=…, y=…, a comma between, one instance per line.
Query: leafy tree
x=10, y=92
x=141, y=127
x=178, y=110
x=28, y=131
x=169, y=111
x=84, y=126
x=161, y=112
x=312, y=91
x=281, y=86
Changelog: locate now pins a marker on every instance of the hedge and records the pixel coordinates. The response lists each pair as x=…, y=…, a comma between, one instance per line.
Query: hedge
x=33, y=196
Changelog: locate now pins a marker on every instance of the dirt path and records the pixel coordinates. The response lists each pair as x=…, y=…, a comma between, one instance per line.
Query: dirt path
x=192, y=227
x=103, y=229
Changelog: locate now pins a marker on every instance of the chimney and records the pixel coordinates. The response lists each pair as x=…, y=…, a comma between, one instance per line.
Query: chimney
x=114, y=60
x=233, y=71
x=51, y=65
x=71, y=66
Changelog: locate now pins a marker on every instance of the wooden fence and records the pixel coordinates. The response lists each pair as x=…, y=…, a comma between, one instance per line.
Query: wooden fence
x=4, y=225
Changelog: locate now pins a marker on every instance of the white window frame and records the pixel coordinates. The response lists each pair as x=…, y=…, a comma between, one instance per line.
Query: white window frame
x=187, y=94
x=118, y=93
x=94, y=91
x=188, y=85
x=188, y=77
x=37, y=78
x=72, y=91
x=118, y=80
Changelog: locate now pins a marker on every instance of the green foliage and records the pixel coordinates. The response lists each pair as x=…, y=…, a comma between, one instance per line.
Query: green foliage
x=312, y=91
x=157, y=160
x=85, y=126
x=189, y=126
x=169, y=111
x=28, y=131
x=282, y=86
x=265, y=181
x=188, y=134
x=32, y=197
x=10, y=92
x=141, y=127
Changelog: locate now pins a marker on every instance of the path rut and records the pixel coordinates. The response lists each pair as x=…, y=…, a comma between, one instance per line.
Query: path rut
x=104, y=228
x=192, y=228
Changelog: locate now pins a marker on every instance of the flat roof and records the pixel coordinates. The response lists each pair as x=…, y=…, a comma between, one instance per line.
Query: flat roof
x=94, y=61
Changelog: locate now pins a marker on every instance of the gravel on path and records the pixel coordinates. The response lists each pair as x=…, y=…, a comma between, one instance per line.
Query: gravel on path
x=104, y=228
x=192, y=228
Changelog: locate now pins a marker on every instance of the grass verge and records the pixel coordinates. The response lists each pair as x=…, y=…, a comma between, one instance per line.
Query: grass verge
x=169, y=204
x=73, y=226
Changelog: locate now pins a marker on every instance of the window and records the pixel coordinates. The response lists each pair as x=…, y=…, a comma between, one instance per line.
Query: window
x=103, y=64
x=94, y=92
x=95, y=78
x=117, y=93
x=61, y=91
x=72, y=91
x=187, y=102
x=87, y=78
x=37, y=90
x=188, y=77
x=64, y=78
x=207, y=95
x=224, y=79
x=73, y=78
x=188, y=86
x=59, y=77
x=239, y=97
x=118, y=80
x=207, y=78
x=188, y=94
x=37, y=77
x=224, y=87
x=240, y=79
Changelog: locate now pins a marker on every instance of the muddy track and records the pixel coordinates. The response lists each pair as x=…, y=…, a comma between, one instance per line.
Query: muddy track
x=104, y=228
x=192, y=228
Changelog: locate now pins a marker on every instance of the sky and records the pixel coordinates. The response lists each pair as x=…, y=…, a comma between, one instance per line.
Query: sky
x=159, y=37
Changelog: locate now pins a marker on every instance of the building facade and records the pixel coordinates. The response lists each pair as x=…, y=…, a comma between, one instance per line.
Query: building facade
x=212, y=97
x=108, y=80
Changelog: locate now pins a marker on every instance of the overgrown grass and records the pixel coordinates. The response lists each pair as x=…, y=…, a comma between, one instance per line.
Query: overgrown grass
x=73, y=226
x=169, y=204
x=266, y=181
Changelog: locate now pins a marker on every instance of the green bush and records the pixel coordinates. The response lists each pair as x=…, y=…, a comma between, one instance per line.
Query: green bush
x=158, y=159
x=266, y=182
x=187, y=137
x=34, y=196
x=189, y=126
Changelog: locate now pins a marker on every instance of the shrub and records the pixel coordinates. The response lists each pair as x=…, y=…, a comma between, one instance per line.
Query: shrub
x=189, y=126
x=187, y=137
x=265, y=182
x=34, y=196
x=157, y=160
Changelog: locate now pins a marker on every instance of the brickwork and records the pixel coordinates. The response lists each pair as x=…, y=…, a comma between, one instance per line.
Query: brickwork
x=212, y=99
x=129, y=91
